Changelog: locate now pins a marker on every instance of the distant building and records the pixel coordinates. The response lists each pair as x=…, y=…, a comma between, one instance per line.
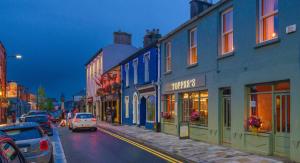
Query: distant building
x=32, y=101
x=3, y=100
x=105, y=59
x=79, y=101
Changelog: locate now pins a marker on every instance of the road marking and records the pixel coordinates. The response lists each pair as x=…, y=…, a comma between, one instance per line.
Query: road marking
x=152, y=151
x=58, y=151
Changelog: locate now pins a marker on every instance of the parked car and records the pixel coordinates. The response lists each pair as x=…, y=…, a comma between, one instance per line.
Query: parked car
x=22, y=118
x=31, y=141
x=43, y=121
x=83, y=121
x=9, y=152
x=37, y=112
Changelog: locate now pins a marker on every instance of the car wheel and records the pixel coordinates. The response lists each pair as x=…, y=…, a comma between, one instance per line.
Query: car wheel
x=94, y=129
x=73, y=130
x=51, y=159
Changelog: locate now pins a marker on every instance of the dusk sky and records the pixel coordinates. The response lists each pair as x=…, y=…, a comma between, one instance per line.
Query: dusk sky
x=57, y=37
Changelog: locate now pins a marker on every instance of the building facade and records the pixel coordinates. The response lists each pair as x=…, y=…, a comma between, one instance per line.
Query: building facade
x=140, y=87
x=230, y=75
x=105, y=59
x=3, y=100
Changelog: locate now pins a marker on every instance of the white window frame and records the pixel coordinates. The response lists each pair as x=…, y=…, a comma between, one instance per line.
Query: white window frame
x=261, y=19
x=135, y=64
x=168, y=57
x=191, y=47
x=126, y=106
x=147, y=66
x=223, y=34
x=127, y=74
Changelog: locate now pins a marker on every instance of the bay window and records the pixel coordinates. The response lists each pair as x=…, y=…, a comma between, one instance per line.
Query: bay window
x=268, y=20
x=193, y=56
x=227, y=31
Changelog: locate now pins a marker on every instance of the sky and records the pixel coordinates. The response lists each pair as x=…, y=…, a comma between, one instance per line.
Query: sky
x=57, y=37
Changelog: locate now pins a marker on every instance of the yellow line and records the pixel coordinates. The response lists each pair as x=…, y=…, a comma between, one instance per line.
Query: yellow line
x=156, y=153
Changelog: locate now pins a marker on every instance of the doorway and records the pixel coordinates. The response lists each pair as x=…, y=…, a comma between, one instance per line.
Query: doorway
x=282, y=124
x=226, y=116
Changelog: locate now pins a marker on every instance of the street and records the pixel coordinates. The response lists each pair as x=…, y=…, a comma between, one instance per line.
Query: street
x=87, y=146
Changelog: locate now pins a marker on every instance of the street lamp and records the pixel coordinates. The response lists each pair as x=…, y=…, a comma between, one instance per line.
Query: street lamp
x=16, y=56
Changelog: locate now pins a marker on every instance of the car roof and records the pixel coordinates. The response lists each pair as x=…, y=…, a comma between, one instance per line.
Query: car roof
x=83, y=113
x=19, y=126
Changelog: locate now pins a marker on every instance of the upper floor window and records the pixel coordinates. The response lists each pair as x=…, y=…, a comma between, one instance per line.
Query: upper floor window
x=168, y=57
x=127, y=75
x=193, y=56
x=100, y=65
x=268, y=20
x=227, y=31
x=135, y=67
x=146, y=63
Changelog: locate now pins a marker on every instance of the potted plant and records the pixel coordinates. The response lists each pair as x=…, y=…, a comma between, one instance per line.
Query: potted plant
x=254, y=123
x=195, y=116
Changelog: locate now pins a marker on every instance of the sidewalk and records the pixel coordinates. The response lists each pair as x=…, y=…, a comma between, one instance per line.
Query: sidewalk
x=192, y=151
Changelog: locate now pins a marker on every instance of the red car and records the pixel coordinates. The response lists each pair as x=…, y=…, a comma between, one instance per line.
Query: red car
x=9, y=152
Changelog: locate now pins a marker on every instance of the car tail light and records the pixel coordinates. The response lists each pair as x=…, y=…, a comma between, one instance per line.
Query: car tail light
x=44, y=146
x=94, y=119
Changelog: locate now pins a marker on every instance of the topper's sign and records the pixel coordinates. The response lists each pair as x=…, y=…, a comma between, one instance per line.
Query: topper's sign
x=186, y=84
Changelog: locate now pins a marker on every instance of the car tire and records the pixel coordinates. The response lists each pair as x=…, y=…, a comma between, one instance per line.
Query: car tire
x=73, y=130
x=51, y=159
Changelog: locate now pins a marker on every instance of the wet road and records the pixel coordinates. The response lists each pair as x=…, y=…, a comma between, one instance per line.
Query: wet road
x=94, y=147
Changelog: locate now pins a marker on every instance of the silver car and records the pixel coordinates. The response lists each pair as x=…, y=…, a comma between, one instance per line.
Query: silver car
x=32, y=141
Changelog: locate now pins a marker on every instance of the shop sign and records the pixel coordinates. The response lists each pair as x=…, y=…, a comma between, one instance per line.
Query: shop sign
x=184, y=131
x=186, y=84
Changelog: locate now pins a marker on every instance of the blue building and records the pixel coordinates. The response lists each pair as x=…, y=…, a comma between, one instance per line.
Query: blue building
x=139, y=84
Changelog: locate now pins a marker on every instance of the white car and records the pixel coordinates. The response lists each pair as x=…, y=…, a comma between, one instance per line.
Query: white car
x=84, y=121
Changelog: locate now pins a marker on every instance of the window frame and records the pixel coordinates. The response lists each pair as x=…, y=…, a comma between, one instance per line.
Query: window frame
x=147, y=67
x=135, y=64
x=168, y=59
x=193, y=30
x=154, y=118
x=261, y=18
x=127, y=74
x=223, y=34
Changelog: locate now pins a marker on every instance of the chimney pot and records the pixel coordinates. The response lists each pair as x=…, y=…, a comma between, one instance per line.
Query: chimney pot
x=198, y=6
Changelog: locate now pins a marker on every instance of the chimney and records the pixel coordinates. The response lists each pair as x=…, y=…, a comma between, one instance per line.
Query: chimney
x=122, y=38
x=151, y=36
x=198, y=6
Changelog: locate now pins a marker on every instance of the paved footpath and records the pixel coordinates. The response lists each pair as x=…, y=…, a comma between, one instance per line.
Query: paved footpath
x=192, y=151
x=58, y=151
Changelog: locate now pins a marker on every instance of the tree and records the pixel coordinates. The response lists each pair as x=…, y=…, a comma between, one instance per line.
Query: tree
x=41, y=98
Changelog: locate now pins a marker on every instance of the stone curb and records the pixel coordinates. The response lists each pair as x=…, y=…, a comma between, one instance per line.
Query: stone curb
x=148, y=144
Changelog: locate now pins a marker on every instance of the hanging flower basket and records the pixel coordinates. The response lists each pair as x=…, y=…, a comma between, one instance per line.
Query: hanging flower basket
x=254, y=123
x=195, y=116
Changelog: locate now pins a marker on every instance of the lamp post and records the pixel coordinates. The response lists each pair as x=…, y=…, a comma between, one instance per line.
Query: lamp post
x=16, y=56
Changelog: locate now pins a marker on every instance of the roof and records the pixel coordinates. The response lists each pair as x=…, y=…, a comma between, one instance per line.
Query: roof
x=19, y=126
x=194, y=19
x=93, y=57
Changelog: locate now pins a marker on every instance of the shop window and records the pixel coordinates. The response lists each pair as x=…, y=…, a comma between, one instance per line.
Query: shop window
x=268, y=20
x=227, y=31
x=151, y=109
x=193, y=54
x=195, y=108
x=169, y=111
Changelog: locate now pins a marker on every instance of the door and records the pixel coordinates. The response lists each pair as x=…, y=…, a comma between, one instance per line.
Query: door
x=282, y=124
x=226, y=116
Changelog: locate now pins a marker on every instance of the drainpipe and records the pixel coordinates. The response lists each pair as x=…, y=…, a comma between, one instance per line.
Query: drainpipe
x=121, y=93
x=158, y=83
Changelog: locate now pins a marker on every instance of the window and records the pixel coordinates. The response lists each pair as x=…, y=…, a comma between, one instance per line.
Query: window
x=146, y=61
x=151, y=109
x=135, y=67
x=168, y=57
x=127, y=106
x=227, y=31
x=268, y=20
x=169, y=111
x=100, y=64
x=9, y=152
x=127, y=74
x=24, y=134
x=195, y=108
x=193, y=56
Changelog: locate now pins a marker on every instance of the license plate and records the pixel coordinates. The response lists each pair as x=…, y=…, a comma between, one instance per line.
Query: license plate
x=24, y=150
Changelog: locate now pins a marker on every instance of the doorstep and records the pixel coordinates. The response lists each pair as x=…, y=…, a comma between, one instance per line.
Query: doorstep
x=186, y=150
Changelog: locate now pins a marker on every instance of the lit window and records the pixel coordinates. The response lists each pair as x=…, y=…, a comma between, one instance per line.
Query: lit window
x=268, y=20
x=169, y=111
x=151, y=109
x=135, y=67
x=193, y=56
x=127, y=74
x=227, y=31
x=146, y=62
x=168, y=57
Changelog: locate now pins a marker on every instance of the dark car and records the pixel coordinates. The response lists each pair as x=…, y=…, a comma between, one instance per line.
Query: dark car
x=44, y=122
x=31, y=141
x=9, y=152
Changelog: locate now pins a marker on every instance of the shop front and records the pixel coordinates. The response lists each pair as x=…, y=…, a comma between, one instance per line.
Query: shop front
x=185, y=108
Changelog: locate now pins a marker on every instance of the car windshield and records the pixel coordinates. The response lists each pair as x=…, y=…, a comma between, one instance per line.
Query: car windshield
x=84, y=116
x=38, y=119
x=24, y=133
